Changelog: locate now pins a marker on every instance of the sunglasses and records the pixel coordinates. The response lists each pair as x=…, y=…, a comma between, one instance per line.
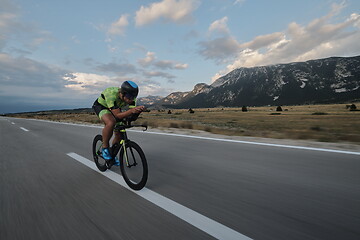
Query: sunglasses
x=129, y=96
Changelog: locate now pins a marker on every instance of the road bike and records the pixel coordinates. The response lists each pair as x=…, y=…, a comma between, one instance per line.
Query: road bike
x=133, y=164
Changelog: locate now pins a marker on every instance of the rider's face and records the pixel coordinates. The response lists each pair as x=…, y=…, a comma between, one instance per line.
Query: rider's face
x=127, y=99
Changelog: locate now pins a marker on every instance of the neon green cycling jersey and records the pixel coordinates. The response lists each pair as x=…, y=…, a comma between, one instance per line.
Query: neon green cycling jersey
x=110, y=99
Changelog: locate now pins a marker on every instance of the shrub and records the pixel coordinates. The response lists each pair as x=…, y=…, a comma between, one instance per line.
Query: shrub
x=208, y=129
x=319, y=113
x=316, y=128
x=244, y=109
x=174, y=125
x=279, y=109
x=352, y=107
x=186, y=125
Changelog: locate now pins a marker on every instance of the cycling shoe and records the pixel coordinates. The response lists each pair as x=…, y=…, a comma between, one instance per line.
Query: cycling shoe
x=116, y=161
x=106, y=154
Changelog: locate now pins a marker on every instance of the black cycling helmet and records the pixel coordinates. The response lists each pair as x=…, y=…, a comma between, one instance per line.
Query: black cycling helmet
x=130, y=89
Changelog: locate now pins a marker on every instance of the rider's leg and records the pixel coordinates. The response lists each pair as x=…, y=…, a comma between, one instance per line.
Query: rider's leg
x=117, y=137
x=107, y=131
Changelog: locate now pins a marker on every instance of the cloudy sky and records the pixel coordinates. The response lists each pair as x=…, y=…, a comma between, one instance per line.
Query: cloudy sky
x=62, y=54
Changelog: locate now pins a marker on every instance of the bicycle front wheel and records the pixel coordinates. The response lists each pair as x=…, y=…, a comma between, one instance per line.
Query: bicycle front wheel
x=133, y=166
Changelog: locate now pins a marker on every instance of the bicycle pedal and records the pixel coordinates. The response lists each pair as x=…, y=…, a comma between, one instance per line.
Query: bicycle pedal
x=109, y=163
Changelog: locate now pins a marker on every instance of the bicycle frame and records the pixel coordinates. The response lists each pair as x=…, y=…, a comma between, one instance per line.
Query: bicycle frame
x=131, y=155
x=122, y=143
x=124, y=140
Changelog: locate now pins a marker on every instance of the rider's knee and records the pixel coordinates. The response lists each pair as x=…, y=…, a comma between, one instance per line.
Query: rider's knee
x=110, y=122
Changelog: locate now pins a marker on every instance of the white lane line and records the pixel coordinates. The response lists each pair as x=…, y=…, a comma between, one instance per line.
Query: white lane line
x=256, y=143
x=24, y=129
x=12, y=123
x=218, y=139
x=211, y=227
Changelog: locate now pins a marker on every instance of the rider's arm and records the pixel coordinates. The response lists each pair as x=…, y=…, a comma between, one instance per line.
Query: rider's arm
x=118, y=114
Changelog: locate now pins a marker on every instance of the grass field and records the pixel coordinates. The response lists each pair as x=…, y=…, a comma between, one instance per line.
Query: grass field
x=326, y=123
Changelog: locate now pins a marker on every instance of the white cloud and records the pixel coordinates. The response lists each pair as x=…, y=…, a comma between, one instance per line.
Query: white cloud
x=355, y=18
x=181, y=66
x=15, y=71
x=240, y=2
x=9, y=23
x=120, y=69
x=220, y=26
x=11, y=27
x=223, y=48
x=89, y=82
x=118, y=27
x=45, y=83
x=158, y=74
x=318, y=39
x=151, y=60
x=7, y=19
x=153, y=88
x=167, y=64
x=220, y=49
x=148, y=60
x=263, y=41
x=178, y=11
x=27, y=84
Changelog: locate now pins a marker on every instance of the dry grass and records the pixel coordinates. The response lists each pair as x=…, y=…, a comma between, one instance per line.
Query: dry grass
x=327, y=123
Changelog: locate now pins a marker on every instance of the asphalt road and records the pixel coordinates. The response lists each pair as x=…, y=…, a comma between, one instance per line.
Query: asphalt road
x=250, y=191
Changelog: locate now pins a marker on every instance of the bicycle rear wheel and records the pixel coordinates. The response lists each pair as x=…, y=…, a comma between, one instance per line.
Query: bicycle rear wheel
x=133, y=166
x=96, y=149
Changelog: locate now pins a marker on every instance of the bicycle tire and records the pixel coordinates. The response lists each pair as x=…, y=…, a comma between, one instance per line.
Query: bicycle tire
x=100, y=162
x=143, y=167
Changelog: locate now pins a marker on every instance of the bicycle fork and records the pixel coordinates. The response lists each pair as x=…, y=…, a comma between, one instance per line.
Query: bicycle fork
x=128, y=164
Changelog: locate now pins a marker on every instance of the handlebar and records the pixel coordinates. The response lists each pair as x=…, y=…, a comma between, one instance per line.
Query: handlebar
x=127, y=122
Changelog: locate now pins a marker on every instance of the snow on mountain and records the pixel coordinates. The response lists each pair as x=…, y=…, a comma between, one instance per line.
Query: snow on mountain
x=329, y=80
x=149, y=100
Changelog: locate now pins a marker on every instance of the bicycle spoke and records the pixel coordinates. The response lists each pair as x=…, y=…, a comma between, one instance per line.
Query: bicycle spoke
x=133, y=157
x=98, y=151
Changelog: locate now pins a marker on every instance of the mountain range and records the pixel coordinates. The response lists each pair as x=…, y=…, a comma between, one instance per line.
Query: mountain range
x=148, y=101
x=329, y=80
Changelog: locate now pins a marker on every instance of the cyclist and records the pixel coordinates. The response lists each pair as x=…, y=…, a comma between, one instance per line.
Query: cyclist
x=108, y=108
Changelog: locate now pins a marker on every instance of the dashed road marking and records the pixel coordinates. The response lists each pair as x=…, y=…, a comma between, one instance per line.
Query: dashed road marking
x=26, y=130
x=211, y=227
